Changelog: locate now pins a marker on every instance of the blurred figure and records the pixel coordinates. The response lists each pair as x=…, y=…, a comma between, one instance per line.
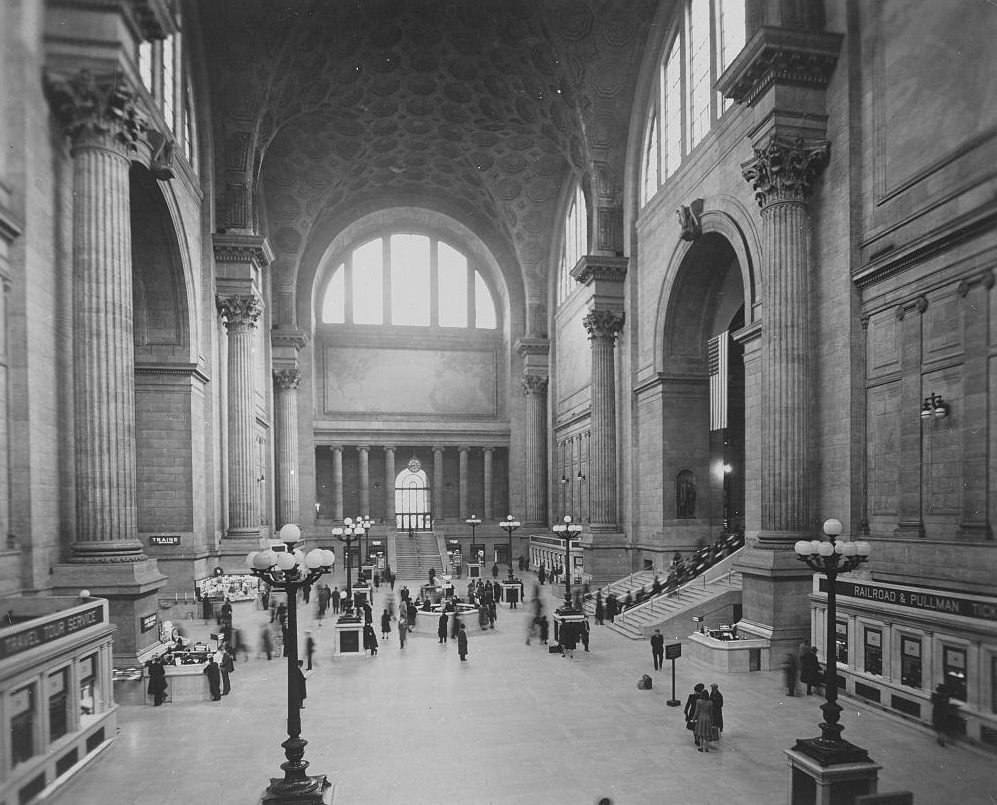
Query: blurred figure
x=789, y=671
x=266, y=642
x=309, y=648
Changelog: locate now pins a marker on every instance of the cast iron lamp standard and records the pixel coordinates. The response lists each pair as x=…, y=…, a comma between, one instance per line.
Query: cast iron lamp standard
x=510, y=524
x=290, y=571
x=473, y=521
x=345, y=535
x=361, y=527
x=569, y=531
x=831, y=558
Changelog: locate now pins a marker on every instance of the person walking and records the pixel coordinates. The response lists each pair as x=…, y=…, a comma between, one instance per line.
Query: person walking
x=600, y=610
x=309, y=648
x=941, y=706
x=704, y=721
x=157, y=681
x=213, y=672
x=544, y=629
x=266, y=642
x=584, y=631
x=402, y=630
x=658, y=649
x=789, y=672
x=385, y=624
x=369, y=639
x=334, y=600
x=810, y=669
x=226, y=665
x=542, y=574
x=718, y=710
x=569, y=639
x=441, y=629
x=690, y=708
x=462, y=643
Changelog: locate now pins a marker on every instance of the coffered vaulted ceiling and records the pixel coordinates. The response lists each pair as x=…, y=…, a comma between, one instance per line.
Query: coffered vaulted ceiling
x=481, y=109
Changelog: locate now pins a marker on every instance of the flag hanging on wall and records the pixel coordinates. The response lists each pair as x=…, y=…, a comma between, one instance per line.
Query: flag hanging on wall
x=717, y=358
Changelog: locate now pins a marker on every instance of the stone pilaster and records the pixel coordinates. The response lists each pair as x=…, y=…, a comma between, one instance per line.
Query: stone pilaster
x=489, y=506
x=389, y=486
x=241, y=314
x=337, y=482
x=437, y=484
x=286, y=413
x=464, y=481
x=10, y=229
x=105, y=127
x=535, y=388
x=363, y=479
x=603, y=326
x=910, y=325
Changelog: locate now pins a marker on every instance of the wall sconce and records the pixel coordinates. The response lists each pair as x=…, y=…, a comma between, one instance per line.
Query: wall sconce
x=934, y=406
x=377, y=484
x=564, y=478
x=580, y=476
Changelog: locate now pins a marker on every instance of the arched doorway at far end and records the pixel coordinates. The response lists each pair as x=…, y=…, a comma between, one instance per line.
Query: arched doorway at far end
x=413, y=506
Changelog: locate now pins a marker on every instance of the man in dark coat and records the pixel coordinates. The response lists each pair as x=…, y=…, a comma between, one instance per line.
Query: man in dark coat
x=542, y=574
x=658, y=649
x=718, y=710
x=809, y=669
x=462, y=643
x=214, y=675
x=157, y=681
x=226, y=666
x=441, y=629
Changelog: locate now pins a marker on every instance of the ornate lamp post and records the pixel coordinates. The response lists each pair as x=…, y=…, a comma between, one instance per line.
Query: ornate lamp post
x=361, y=527
x=569, y=531
x=290, y=571
x=509, y=525
x=473, y=521
x=832, y=558
x=345, y=535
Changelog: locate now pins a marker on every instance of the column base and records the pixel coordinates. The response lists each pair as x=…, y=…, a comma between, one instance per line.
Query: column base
x=318, y=792
x=132, y=591
x=812, y=783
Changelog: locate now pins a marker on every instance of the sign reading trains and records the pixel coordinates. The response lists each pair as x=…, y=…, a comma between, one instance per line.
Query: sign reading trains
x=33, y=636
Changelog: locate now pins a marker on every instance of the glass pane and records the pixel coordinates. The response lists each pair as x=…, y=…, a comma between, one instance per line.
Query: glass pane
x=730, y=21
x=651, y=163
x=453, y=287
x=169, y=76
x=673, y=110
x=334, y=304
x=410, y=280
x=368, y=284
x=484, y=305
x=145, y=64
x=699, y=70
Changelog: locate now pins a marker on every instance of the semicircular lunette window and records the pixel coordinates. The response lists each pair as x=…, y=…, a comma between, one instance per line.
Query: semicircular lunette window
x=408, y=280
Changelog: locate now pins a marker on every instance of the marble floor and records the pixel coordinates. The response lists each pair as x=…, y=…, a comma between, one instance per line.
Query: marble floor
x=513, y=724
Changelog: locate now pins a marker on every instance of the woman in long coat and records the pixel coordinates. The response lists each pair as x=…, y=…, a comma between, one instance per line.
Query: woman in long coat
x=704, y=721
x=690, y=706
x=385, y=624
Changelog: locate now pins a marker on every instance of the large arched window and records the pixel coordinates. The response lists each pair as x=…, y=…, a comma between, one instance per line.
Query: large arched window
x=408, y=279
x=162, y=66
x=707, y=37
x=573, y=243
x=412, y=507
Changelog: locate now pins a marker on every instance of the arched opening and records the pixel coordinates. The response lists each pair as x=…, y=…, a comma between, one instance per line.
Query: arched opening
x=413, y=510
x=703, y=394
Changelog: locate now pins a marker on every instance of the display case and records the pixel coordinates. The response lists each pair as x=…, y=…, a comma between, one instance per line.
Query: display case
x=234, y=586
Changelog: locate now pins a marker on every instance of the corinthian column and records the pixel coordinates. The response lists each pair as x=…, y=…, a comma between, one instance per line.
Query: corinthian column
x=241, y=314
x=286, y=413
x=535, y=388
x=389, y=486
x=464, y=481
x=363, y=480
x=488, y=505
x=437, y=484
x=781, y=173
x=337, y=481
x=104, y=126
x=603, y=327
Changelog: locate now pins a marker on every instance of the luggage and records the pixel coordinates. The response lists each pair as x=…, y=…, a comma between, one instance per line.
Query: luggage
x=555, y=649
x=644, y=683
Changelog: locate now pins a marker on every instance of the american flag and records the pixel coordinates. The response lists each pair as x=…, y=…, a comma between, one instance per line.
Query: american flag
x=716, y=352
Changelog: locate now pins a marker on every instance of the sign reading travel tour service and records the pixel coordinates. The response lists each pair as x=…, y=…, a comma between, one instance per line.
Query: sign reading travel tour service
x=917, y=599
x=32, y=636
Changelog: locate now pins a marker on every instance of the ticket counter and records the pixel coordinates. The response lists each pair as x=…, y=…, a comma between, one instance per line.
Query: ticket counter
x=57, y=705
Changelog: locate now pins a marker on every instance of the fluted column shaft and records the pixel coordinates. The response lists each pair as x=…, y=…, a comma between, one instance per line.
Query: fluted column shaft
x=535, y=388
x=241, y=314
x=603, y=327
x=286, y=414
x=437, y=483
x=389, y=486
x=363, y=454
x=464, y=481
x=337, y=482
x=488, y=502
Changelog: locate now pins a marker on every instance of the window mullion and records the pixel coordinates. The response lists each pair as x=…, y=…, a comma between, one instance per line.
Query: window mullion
x=684, y=66
x=434, y=282
x=386, y=299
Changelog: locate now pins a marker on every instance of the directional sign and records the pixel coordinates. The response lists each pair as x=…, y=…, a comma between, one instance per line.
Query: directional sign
x=673, y=650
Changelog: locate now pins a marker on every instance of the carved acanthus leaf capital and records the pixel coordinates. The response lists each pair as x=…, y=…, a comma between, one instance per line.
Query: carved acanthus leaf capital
x=535, y=384
x=99, y=111
x=287, y=379
x=785, y=170
x=603, y=324
x=241, y=310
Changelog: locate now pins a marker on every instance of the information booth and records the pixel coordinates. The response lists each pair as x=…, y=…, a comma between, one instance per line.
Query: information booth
x=58, y=706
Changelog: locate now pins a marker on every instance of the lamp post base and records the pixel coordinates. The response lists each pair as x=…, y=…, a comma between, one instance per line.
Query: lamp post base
x=831, y=753
x=318, y=791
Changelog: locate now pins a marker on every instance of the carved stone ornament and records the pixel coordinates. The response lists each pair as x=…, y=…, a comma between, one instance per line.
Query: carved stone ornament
x=784, y=170
x=690, y=219
x=161, y=162
x=603, y=324
x=535, y=384
x=240, y=310
x=97, y=111
x=287, y=379
x=292, y=339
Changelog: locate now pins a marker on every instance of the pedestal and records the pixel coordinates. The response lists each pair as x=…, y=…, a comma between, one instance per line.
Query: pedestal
x=564, y=615
x=810, y=783
x=362, y=595
x=473, y=571
x=511, y=591
x=322, y=795
x=349, y=636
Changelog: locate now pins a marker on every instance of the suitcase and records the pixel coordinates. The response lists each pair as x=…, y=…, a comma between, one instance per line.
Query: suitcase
x=554, y=649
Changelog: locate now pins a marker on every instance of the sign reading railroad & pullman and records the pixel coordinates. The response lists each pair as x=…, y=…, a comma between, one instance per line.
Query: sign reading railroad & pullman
x=913, y=598
x=33, y=636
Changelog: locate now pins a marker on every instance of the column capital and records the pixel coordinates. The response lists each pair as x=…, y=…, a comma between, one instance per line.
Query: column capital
x=240, y=309
x=784, y=169
x=535, y=384
x=464, y=448
x=363, y=448
x=389, y=448
x=97, y=111
x=335, y=447
x=603, y=324
x=487, y=450
x=438, y=448
x=287, y=379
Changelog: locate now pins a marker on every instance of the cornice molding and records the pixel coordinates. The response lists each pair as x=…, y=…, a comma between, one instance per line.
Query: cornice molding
x=97, y=111
x=785, y=169
x=607, y=268
x=533, y=346
x=291, y=339
x=781, y=56
x=233, y=247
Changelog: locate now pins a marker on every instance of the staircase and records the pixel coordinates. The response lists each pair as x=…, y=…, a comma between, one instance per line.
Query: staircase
x=714, y=591
x=416, y=555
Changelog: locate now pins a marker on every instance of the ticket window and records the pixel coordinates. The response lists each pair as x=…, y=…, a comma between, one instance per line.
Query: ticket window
x=954, y=671
x=58, y=704
x=910, y=662
x=841, y=641
x=89, y=694
x=873, y=663
x=22, y=724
